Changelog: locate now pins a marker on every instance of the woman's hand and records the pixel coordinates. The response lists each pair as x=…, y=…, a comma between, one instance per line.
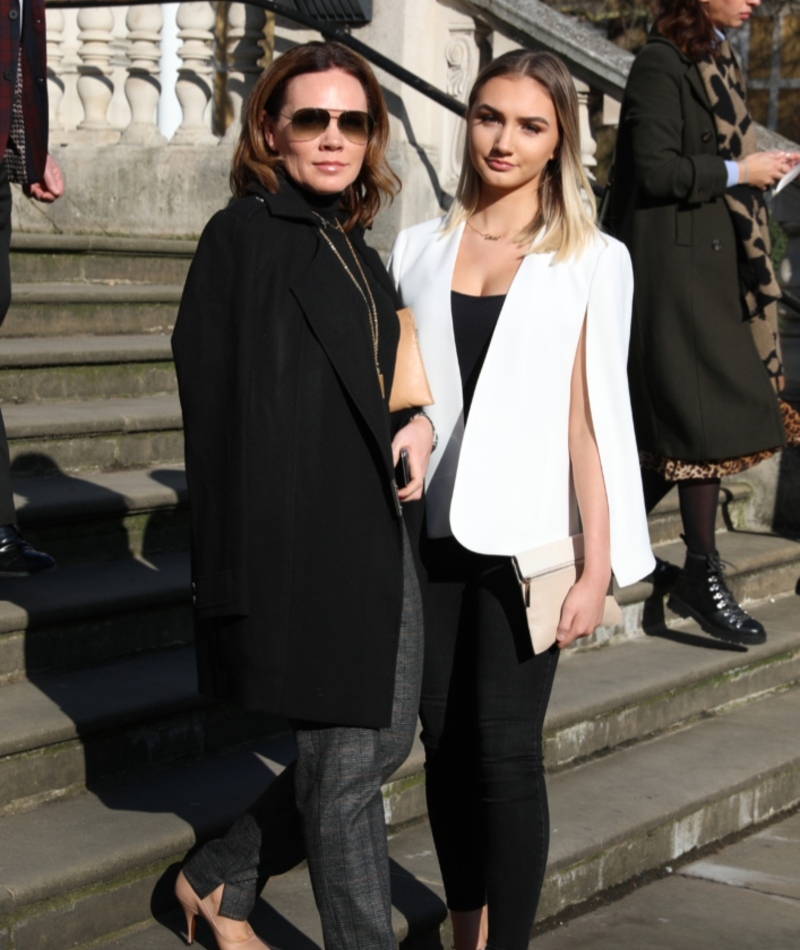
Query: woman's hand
x=417, y=437
x=765, y=169
x=582, y=610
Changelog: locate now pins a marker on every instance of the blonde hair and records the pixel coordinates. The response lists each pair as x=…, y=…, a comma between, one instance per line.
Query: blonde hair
x=565, y=221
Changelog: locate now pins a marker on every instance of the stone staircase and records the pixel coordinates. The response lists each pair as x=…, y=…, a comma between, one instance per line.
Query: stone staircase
x=659, y=739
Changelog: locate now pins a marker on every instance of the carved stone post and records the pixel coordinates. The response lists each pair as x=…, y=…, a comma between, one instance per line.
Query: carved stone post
x=245, y=30
x=55, y=84
x=94, y=87
x=142, y=87
x=588, y=144
x=195, y=76
x=463, y=59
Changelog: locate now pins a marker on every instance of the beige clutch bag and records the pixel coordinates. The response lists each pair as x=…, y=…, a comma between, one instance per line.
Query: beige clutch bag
x=410, y=386
x=545, y=575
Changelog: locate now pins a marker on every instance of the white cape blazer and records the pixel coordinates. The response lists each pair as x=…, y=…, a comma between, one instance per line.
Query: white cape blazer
x=502, y=484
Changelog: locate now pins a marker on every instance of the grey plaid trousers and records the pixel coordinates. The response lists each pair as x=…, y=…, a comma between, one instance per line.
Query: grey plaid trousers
x=327, y=807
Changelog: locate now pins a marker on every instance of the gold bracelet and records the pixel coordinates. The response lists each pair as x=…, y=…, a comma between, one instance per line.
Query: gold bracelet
x=746, y=172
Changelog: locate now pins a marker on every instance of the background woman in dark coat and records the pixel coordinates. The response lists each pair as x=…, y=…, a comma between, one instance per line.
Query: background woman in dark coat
x=704, y=365
x=306, y=601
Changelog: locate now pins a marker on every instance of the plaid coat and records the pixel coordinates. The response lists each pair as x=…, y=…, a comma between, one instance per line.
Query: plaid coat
x=34, y=79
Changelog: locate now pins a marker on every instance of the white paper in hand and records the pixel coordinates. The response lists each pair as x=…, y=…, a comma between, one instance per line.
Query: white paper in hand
x=788, y=178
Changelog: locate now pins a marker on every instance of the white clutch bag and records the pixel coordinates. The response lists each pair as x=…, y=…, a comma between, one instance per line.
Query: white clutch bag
x=545, y=575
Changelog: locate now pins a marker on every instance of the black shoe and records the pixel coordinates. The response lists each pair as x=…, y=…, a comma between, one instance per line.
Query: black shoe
x=17, y=557
x=701, y=592
x=665, y=575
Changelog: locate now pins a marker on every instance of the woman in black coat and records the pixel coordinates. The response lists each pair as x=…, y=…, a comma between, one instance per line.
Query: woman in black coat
x=305, y=596
x=704, y=365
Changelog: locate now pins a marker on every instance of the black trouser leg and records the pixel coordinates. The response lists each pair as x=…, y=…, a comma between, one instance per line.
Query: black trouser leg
x=485, y=695
x=7, y=512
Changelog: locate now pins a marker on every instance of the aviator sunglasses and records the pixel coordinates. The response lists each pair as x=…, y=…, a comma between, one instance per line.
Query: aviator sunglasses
x=307, y=124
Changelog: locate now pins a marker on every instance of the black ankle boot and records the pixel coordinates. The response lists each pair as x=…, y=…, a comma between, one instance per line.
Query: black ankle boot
x=701, y=592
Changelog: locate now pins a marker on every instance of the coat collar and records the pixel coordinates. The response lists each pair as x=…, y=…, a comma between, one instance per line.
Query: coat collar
x=693, y=76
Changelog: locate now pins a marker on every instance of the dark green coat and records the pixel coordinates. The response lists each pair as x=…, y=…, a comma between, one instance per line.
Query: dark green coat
x=698, y=387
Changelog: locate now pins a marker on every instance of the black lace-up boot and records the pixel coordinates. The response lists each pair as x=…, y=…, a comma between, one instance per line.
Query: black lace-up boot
x=701, y=592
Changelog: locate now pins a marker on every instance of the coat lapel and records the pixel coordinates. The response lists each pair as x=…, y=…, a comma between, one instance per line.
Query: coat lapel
x=342, y=329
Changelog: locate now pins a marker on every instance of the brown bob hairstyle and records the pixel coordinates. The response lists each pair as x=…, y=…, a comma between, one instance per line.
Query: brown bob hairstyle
x=687, y=24
x=254, y=161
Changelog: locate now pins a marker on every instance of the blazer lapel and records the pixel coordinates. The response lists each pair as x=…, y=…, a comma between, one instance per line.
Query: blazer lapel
x=343, y=332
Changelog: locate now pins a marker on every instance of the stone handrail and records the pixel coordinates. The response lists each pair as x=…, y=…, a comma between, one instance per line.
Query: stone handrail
x=590, y=56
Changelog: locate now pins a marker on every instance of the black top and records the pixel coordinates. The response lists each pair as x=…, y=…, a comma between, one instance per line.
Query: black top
x=474, y=320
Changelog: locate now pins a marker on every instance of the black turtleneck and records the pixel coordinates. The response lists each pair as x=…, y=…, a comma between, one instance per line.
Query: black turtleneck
x=383, y=291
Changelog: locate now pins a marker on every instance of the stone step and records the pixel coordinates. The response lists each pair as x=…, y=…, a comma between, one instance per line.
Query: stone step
x=627, y=692
x=620, y=815
x=65, y=732
x=53, y=309
x=94, y=434
x=45, y=369
x=612, y=818
x=89, y=258
x=105, y=859
x=93, y=613
x=105, y=515
x=665, y=522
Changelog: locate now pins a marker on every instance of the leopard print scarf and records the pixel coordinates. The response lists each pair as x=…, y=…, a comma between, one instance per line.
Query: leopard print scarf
x=736, y=139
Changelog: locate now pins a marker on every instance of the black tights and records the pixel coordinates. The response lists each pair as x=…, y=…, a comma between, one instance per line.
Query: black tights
x=484, y=698
x=698, y=500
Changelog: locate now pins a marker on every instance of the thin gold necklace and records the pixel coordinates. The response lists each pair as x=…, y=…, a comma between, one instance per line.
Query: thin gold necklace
x=365, y=291
x=489, y=237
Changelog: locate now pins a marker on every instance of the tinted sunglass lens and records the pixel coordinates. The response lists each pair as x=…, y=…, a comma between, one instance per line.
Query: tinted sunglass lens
x=356, y=126
x=309, y=123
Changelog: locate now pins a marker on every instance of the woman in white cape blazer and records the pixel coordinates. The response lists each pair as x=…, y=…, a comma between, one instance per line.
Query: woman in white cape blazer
x=502, y=485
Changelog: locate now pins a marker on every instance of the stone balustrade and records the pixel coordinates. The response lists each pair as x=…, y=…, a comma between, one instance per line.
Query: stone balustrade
x=105, y=81
x=105, y=77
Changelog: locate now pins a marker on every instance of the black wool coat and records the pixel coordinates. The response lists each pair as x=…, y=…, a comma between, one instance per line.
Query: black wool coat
x=296, y=539
x=698, y=387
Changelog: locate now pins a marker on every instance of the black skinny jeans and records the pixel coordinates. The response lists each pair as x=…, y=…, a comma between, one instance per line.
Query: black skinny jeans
x=484, y=698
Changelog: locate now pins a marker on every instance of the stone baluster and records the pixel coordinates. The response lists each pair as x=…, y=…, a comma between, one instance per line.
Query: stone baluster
x=194, y=87
x=786, y=211
x=142, y=87
x=588, y=143
x=245, y=30
x=94, y=87
x=55, y=84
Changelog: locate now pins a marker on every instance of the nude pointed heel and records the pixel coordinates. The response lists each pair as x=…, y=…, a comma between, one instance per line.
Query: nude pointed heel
x=194, y=905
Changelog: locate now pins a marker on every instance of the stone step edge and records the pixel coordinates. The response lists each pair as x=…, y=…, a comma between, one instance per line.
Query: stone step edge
x=93, y=417
x=59, y=499
x=15, y=619
x=52, y=490
x=34, y=353
x=98, y=293
x=26, y=242
x=171, y=569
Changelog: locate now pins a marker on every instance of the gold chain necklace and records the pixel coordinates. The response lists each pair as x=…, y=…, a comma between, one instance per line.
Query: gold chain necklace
x=488, y=237
x=365, y=291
